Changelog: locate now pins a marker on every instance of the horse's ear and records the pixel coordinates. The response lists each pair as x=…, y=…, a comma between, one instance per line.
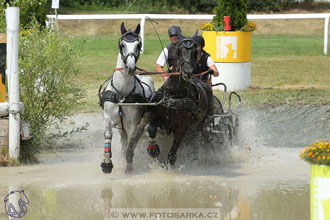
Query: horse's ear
x=123, y=29
x=196, y=33
x=137, y=29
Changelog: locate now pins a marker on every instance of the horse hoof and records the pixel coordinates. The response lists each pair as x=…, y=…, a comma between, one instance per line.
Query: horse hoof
x=154, y=152
x=171, y=160
x=106, y=167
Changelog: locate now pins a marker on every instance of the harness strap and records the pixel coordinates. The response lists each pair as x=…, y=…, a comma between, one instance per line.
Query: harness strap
x=144, y=72
x=123, y=97
x=139, y=81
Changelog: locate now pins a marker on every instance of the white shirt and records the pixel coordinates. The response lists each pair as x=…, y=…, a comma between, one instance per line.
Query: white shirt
x=210, y=61
x=162, y=59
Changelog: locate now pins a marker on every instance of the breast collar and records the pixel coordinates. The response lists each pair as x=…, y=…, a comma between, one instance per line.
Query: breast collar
x=122, y=97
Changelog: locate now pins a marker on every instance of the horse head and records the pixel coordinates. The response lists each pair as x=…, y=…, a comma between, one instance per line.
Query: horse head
x=130, y=47
x=187, y=56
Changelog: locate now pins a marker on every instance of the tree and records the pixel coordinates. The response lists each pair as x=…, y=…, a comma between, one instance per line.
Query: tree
x=236, y=9
x=29, y=9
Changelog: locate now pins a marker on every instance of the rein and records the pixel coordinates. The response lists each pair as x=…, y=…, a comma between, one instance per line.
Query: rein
x=144, y=72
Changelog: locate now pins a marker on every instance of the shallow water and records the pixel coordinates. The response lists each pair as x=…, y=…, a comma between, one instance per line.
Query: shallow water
x=260, y=178
x=87, y=194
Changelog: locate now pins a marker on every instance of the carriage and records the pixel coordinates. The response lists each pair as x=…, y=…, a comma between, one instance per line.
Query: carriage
x=225, y=123
x=179, y=104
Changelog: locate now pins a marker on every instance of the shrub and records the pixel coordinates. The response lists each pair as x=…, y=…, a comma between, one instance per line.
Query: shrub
x=48, y=64
x=236, y=9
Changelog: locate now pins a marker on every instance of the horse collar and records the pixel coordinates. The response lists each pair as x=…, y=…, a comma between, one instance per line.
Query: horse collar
x=122, y=97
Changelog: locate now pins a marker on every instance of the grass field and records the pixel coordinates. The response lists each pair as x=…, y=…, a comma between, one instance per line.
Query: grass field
x=288, y=65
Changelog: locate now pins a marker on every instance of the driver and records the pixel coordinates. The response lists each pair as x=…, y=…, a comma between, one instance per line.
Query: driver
x=204, y=62
x=169, y=54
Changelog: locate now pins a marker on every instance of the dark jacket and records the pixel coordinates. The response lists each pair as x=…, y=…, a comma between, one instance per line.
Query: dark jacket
x=201, y=66
x=172, y=59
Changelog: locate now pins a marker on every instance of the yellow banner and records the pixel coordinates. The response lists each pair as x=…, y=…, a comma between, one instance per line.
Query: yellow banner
x=320, y=192
x=228, y=46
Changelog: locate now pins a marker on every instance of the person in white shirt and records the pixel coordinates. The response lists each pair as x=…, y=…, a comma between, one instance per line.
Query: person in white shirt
x=169, y=54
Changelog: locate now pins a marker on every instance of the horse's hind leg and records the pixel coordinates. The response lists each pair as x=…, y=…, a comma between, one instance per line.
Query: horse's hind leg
x=107, y=165
x=123, y=141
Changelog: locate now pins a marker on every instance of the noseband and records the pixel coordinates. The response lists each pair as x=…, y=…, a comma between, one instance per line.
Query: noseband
x=130, y=36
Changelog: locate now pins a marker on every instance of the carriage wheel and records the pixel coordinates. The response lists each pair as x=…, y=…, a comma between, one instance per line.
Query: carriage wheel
x=217, y=106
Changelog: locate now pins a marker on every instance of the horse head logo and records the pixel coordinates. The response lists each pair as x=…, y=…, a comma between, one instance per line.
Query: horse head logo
x=15, y=204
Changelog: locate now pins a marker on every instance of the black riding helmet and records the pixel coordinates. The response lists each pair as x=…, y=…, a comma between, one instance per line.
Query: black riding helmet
x=199, y=40
x=174, y=30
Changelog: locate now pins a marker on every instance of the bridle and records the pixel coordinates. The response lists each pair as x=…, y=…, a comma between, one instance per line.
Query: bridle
x=187, y=43
x=130, y=36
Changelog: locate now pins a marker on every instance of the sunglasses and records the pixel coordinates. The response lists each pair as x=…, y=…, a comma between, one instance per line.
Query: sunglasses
x=173, y=35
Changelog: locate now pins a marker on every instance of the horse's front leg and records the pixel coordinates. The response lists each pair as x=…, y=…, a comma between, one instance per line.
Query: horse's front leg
x=107, y=165
x=179, y=134
x=153, y=148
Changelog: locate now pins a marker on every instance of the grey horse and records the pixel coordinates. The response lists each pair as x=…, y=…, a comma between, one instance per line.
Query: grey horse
x=125, y=87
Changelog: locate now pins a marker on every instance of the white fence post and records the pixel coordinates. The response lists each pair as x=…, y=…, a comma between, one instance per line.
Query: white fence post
x=12, y=20
x=326, y=32
x=143, y=20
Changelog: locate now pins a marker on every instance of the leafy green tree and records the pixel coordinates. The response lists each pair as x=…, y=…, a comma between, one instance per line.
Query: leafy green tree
x=236, y=9
x=29, y=9
x=271, y=5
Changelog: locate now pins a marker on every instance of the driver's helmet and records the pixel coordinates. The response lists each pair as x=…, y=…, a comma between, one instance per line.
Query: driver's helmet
x=174, y=30
x=199, y=40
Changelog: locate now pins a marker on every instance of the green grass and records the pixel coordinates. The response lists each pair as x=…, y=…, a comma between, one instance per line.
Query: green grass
x=286, y=45
x=285, y=69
